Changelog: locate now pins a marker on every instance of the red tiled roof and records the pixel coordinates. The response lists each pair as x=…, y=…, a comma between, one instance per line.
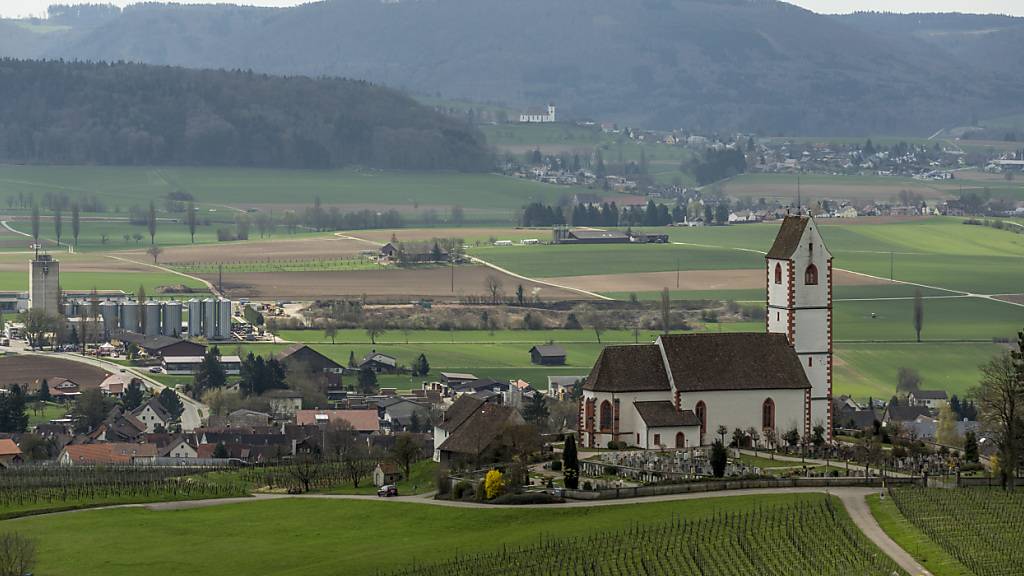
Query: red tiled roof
x=361, y=420
x=108, y=453
x=9, y=448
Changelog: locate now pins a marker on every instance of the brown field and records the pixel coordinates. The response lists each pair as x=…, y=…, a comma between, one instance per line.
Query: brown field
x=1015, y=298
x=467, y=234
x=874, y=220
x=282, y=248
x=26, y=369
x=393, y=284
x=689, y=280
x=816, y=191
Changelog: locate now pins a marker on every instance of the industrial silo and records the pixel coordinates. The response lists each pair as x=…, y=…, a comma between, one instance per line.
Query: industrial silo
x=152, y=315
x=172, y=319
x=130, y=316
x=70, y=309
x=224, y=319
x=195, y=318
x=108, y=311
x=210, y=318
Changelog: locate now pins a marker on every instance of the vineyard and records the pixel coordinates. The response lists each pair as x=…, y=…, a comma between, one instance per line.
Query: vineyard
x=35, y=489
x=983, y=528
x=317, y=475
x=277, y=265
x=813, y=537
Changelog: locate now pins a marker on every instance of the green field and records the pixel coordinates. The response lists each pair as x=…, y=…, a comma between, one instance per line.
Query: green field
x=863, y=370
x=127, y=281
x=299, y=536
x=944, y=319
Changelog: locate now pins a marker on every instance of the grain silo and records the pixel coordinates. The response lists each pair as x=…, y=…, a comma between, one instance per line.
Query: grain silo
x=70, y=309
x=130, y=316
x=195, y=318
x=152, y=314
x=172, y=319
x=224, y=319
x=108, y=311
x=210, y=318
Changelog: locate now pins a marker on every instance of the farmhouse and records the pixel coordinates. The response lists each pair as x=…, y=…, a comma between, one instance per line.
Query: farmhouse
x=365, y=421
x=677, y=391
x=10, y=454
x=589, y=236
x=302, y=354
x=111, y=453
x=153, y=415
x=379, y=362
x=538, y=115
x=470, y=427
x=933, y=399
x=547, y=355
x=163, y=346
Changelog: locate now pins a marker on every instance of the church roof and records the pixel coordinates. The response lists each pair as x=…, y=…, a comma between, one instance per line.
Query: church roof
x=637, y=368
x=788, y=238
x=663, y=414
x=740, y=361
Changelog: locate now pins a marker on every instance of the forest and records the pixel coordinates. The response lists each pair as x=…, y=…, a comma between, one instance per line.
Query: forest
x=55, y=112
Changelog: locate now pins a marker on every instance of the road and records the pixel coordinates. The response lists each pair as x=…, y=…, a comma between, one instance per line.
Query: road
x=853, y=499
x=191, y=418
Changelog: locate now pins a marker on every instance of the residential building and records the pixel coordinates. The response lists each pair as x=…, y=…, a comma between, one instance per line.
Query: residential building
x=933, y=399
x=379, y=362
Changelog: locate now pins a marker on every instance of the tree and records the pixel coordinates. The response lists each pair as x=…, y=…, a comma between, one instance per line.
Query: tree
x=494, y=484
x=211, y=373
x=571, y=463
x=351, y=359
x=345, y=445
x=791, y=437
x=536, y=410
x=520, y=296
x=375, y=328
x=907, y=380
x=304, y=469
x=422, y=365
x=155, y=251
x=133, y=395
x=666, y=311
x=493, y=286
x=367, y=380
x=58, y=224
x=13, y=418
x=91, y=409
x=137, y=237
x=151, y=222
x=739, y=438
x=719, y=458
x=331, y=331
x=170, y=401
x=918, y=313
x=76, y=221
x=722, y=431
x=971, y=446
x=945, y=432
x=140, y=294
x=1000, y=398
x=405, y=451
x=596, y=320
x=44, y=391
x=17, y=554
x=221, y=451
x=38, y=324
x=35, y=223
x=191, y=219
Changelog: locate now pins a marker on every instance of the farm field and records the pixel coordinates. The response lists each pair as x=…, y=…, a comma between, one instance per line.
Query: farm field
x=247, y=546
x=863, y=370
x=27, y=368
x=980, y=527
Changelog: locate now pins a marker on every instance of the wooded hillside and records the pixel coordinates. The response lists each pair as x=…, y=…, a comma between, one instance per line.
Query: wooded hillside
x=84, y=113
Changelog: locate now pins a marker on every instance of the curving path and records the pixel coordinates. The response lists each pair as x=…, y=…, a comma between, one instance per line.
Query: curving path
x=853, y=498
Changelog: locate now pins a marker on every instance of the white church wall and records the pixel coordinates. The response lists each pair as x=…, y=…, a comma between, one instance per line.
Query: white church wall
x=742, y=409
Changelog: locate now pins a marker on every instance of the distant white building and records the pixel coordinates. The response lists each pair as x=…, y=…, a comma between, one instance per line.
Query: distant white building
x=538, y=116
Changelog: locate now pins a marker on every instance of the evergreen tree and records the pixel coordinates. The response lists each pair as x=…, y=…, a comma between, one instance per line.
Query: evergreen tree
x=367, y=380
x=719, y=458
x=133, y=395
x=971, y=446
x=571, y=463
x=422, y=365
x=351, y=359
x=170, y=401
x=13, y=418
x=211, y=373
x=44, y=392
x=536, y=411
x=221, y=451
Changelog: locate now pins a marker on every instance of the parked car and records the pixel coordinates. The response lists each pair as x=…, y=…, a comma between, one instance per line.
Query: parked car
x=387, y=491
x=156, y=369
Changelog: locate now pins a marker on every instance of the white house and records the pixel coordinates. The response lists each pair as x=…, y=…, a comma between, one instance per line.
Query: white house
x=152, y=415
x=677, y=391
x=179, y=448
x=933, y=399
x=538, y=116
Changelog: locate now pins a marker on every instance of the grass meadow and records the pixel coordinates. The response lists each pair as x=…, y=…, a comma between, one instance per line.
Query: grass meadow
x=300, y=536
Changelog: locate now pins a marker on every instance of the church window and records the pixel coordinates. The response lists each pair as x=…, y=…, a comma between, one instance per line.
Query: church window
x=810, y=361
x=606, y=416
x=778, y=273
x=657, y=439
x=768, y=414
x=680, y=440
x=811, y=275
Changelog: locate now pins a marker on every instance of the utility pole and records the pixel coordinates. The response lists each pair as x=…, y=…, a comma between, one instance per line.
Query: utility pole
x=451, y=266
x=892, y=265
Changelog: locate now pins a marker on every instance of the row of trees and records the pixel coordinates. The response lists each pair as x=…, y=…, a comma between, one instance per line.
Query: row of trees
x=608, y=214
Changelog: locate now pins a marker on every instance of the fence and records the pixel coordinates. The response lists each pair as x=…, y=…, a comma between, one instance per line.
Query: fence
x=722, y=485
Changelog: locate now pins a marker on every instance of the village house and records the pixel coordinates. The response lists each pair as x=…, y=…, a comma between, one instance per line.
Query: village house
x=153, y=416
x=933, y=399
x=303, y=355
x=62, y=389
x=469, y=428
x=379, y=362
x=283, y=403
x=179, y=447
x=561, y=387
x=402, y=413
x=364, y=421
x=10, y=454
x=109, y=454
x=114, y=385
x=538, y=115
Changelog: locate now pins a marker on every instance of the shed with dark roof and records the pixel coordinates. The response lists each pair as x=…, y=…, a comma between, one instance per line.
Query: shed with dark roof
x=547, y=355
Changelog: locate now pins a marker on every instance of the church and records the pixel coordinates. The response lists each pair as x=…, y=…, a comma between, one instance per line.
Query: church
x=677, y=391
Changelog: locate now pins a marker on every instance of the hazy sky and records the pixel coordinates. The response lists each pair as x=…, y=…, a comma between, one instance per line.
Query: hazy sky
x=14, y=8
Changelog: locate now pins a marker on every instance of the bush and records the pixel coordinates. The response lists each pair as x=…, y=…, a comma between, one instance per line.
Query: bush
x=462, y=489
x=528, y=498
x=587, y=485
x=556, y=466
x=494, y=484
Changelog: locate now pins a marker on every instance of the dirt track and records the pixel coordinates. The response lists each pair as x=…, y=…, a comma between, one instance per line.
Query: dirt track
x=689, y=280
x=394, y=284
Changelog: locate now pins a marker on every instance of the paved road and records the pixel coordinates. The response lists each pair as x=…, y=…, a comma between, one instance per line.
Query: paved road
x=853, y=498
x=191, y=418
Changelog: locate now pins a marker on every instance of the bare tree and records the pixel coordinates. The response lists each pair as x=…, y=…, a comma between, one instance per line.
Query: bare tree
x=331, y=331
x=191, y=218
x=375, y=328
x=76, y=222
x=151, y=222
x=596, y=320
x=493, y=286
x=349, y=448
x=918, y=313
x=155, y=251
x=666, y=311
x=1000, y=398
x=305, y=469
x=35, y=222
x=405, y=451
x=58, y=224
x=17, y=554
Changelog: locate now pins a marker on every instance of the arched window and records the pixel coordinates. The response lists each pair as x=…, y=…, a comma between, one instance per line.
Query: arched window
x=680, y=440
x=768, y=414
x=702, y=414
x=606, y=416
x=811, y=275
x=778, y=273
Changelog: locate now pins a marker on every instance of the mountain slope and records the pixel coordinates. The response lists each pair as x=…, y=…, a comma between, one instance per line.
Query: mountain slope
x=73, y=113
x=755, y=65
